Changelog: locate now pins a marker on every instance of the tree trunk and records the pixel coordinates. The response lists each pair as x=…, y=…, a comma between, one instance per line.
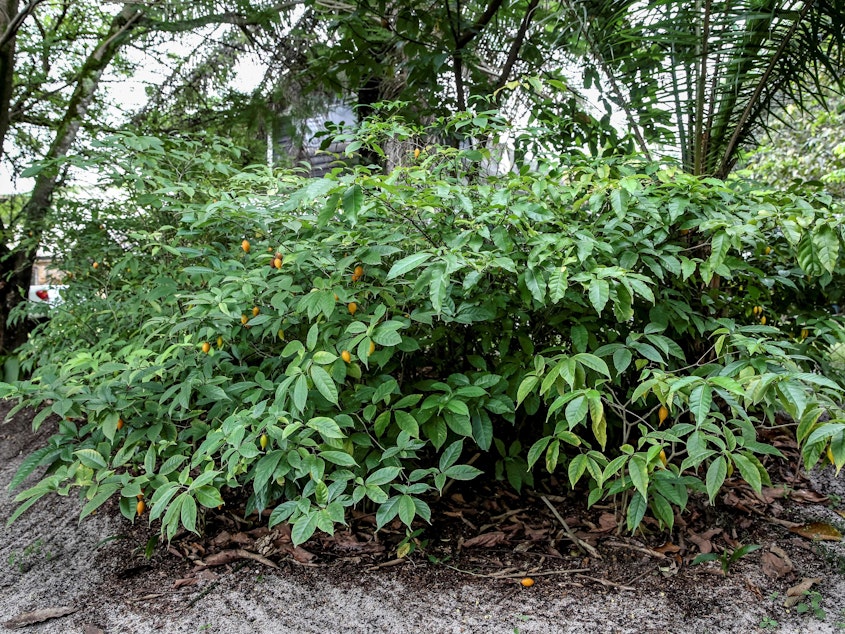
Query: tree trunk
x=8, y=11
x=16, y=265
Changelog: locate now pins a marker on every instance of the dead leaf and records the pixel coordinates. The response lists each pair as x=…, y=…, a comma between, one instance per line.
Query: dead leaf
x=230, y=556
x=668, y=547
x=775, y=566
x=607, y=522
x=821, y=531
x=485, y=540
x=703, y=540
x=38, y=616
x=186, y=581
x=796, y=593
x=807, y=496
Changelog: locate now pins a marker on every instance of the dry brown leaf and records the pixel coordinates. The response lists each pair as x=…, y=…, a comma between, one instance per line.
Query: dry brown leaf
x=775, y=566
x=821, y=531
x=485, y=540
x=703, y=540
x=607, y=522
x=809, y=497
x=668, y=547
x=796, y=593
x=186, y=581
x=38, y=616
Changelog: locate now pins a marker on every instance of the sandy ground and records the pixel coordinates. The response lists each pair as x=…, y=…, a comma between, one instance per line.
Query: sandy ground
x=49, y=560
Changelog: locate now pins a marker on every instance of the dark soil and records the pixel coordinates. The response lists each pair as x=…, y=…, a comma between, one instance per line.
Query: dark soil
x=462, y=574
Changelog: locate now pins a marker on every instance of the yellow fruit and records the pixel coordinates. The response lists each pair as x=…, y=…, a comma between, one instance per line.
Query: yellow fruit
x=96, y=265
x=353, y=307
x=245, y=246
x=805, y=333
x=206, y=347
x=140, y=496
x=263, y=441
x=277, y=263
x=527, y=582
x=244, y=319
x=763, y=320
x=662, y=456
x=120, y=423
x=281, y=334
x=416, y=153
x=255, y=311
x=359, y=271
x=336, y=297
x=140, y=507
x=757, y=310
x=662, y=414
x=768, y=250
x=219, y=342
x=346, y=356
x=372, y=348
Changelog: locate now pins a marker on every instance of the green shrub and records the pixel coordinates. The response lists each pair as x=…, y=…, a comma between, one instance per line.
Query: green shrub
x=540, y=318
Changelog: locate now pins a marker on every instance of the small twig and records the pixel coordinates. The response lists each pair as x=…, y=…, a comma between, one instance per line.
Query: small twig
x=579, y=543
x=647, y=551
x=518, y=575
x=608, y=583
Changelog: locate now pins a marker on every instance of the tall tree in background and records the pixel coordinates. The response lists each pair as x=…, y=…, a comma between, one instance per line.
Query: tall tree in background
x=53, y=56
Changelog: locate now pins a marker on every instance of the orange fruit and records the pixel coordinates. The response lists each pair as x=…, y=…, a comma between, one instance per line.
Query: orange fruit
x=359, y=271
x=255, y=311
x=662, y=414
x=245, y=246
x=527, y=582
x=416, y=153
x=662, y=456
x=120, y=423
x=140, y=507
x=277, y=263
x=206, y=347
x=263, y=441
x=346, y=356
x=140, y=496
x=353, y=307
x=336, y=297
x=372, y=348
x=96, y=265
x=244, y=319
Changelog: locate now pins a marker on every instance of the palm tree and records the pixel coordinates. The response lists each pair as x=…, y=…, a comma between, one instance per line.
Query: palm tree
x=703, y=76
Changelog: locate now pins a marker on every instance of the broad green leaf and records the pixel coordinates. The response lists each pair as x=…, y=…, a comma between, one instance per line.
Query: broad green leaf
x=407, y=264
x=639, y=475
x=716, y=474
x=324, y=383
x=599, y=294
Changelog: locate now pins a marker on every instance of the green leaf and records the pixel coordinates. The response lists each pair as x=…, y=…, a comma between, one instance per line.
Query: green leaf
x=407, y=264
x=636, y=511
x=383, y=476
x=189, y=513
x=599, y=294
x=593, y=362
x=304, y=528
x=748, y=471
x=462, y=472
x=826, y=242
x=639, y=475
x=339, y=457
x=326, y=427
x=716, y=474
x=104, y=492
x=526, y=387
x=324, y=383
x=451, y=454
x=407, y=509
x=576, y=469
x=537, y=450
x=535, y=284
x=91, y=458
x=353, y=201
x=700, y=401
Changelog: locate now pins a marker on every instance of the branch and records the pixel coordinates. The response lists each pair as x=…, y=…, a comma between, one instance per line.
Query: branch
x=483, y=20
x=518, y=40
x=239, y=19
x=15, y=24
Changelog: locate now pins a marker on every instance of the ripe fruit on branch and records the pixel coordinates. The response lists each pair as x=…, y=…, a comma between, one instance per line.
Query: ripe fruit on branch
x=346, y=356
x=372, y=348
x=255, y=311
x=263, y=441
x=662, y=414
x=352, y=307
x=206, y=347
x=140, y=507
x=245, y=246
x=244, y=319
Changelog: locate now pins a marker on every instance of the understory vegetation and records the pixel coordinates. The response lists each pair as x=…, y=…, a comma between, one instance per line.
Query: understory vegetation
x=364, y=338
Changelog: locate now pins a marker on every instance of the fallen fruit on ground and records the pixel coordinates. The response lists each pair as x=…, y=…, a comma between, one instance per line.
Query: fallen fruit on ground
x=527, y=582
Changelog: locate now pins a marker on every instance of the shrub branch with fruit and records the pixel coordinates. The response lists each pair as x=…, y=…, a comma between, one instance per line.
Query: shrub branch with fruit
x=356, y=340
